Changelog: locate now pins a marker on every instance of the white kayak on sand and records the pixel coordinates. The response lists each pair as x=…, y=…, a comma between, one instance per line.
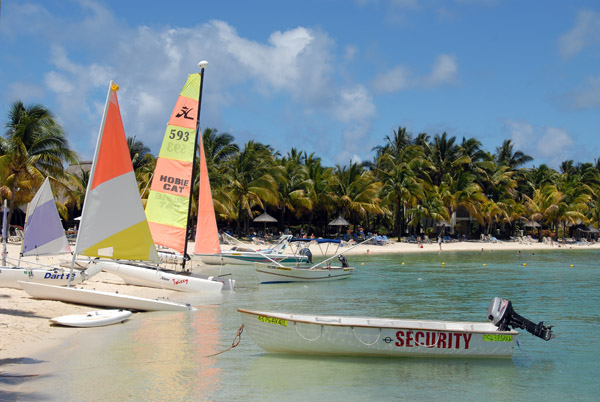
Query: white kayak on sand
x=92, y=318
x=368, y=336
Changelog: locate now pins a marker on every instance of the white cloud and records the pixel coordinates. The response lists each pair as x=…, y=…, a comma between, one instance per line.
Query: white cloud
x=521, y=134
x=354, y=104
x=397, y=79
x=350, y=52
x=23, y=91
x=586, y=97
x=586, y=32
x=444, y=72
x=553, y=143
x=549, y=145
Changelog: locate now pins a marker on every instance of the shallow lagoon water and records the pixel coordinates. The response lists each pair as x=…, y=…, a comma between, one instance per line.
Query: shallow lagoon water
x=162, y=356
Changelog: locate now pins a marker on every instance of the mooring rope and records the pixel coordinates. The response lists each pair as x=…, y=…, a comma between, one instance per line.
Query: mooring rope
x=236, y=341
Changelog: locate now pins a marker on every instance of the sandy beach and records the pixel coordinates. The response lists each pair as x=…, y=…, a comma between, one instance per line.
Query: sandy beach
x=24, y=322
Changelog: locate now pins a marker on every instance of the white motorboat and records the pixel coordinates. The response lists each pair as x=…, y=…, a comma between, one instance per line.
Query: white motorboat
x=242, y=255
x=272, y=273
x=338, y=335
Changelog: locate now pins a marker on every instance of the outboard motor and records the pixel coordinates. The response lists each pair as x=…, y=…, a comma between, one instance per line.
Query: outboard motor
x=305, y=251
x=504, y=317
x=343, y=261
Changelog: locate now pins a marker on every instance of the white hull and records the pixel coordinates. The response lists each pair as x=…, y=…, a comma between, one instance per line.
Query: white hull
x=247, y=258
x=141, y=276
x=10, y=277
x=334, y=335
x=274, y=274
x=92, y=318
x=102, y=299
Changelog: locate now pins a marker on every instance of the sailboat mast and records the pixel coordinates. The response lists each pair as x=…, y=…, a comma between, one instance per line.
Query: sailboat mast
x=111, y=86
x=202, y=65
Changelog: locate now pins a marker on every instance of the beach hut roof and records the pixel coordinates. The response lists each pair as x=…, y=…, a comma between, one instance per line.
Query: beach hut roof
x=264, y=217
x=339, y=221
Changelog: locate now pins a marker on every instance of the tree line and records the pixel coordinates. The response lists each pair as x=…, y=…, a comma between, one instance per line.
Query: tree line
x=412, y=182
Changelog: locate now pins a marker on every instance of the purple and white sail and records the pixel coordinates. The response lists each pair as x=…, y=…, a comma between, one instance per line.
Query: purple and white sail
x=44, y=233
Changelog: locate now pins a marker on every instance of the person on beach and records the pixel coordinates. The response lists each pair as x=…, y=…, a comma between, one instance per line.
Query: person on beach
x=419, y=242
x=440, y=241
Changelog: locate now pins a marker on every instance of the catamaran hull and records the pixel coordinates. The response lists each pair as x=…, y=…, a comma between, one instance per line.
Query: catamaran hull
x=242, y=258
x=90, y=297
x=274, y=274
x=10, y=277
x=142, y=276
x=334, y=335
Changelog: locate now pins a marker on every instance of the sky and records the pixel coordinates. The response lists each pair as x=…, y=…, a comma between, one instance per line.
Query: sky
x=329, y=77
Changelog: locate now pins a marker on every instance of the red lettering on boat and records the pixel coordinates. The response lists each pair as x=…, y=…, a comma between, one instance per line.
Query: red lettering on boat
x=400, y=337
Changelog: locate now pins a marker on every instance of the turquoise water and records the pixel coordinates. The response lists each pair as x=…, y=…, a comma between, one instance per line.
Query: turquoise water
x=161, y=356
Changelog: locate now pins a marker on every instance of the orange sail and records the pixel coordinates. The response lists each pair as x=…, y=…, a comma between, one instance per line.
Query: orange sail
x=113, y=223
x=207, y=234
x=168, y=201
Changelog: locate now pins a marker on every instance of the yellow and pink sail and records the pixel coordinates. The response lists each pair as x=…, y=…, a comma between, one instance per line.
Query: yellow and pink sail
x=168, y=203
x=113, y=222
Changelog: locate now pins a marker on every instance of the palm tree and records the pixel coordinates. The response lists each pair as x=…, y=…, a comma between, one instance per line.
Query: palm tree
x=400, y=166
x=251, y=181
x=293, y=186
x=34, y=146
x=355, y=191
x=506, y=156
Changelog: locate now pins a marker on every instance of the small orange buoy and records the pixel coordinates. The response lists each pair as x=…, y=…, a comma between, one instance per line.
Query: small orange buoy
x=524, y=264
x=571, y=265
x=484, y=265
x=443, y=263
x=402, y=262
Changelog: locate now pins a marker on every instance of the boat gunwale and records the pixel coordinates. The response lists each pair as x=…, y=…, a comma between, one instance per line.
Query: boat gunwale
x=334, y=324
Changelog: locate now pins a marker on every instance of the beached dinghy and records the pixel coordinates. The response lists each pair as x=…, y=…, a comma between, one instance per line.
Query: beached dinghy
x=43, y=236
x=168, y=206
x=92, y=318
x=336, y=335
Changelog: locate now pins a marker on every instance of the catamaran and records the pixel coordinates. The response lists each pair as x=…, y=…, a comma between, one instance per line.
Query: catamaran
x=43, y=235
x=169, y=200
x=113, y=223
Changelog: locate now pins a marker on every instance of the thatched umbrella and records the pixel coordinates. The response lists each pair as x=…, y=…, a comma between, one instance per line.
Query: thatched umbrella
x=339, y=221
x=264, y=217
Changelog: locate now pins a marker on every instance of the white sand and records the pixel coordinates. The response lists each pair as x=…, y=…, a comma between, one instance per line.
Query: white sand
x=24, y=322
